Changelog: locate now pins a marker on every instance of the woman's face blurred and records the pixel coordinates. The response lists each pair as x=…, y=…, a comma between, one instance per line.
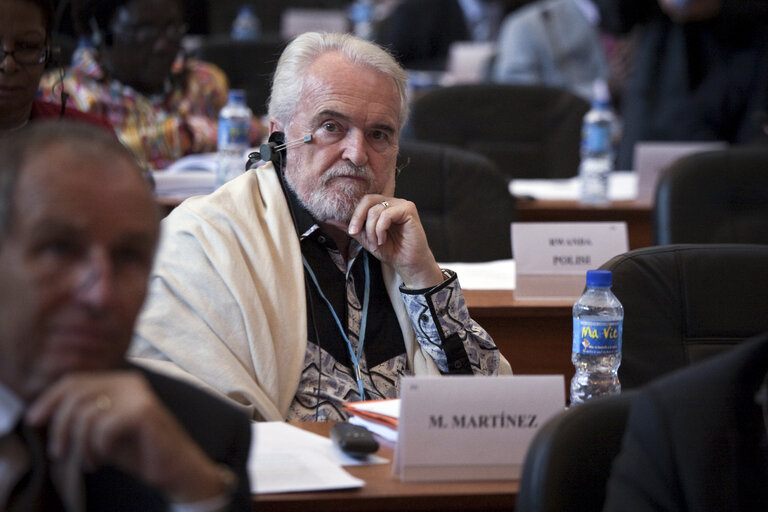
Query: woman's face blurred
x=146, y=37
x=22, y=32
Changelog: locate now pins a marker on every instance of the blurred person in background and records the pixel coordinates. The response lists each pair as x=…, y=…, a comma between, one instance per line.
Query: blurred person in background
x=162, y=104
x=419, y=33
x=700, y=71
x=554, y=43
x=25, y=39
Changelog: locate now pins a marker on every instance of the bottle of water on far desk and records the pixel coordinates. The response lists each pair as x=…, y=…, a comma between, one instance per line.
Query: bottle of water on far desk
x=597, y=147
x=361, y=14
x=246, y=25
x=233, y=137
x=598, y=317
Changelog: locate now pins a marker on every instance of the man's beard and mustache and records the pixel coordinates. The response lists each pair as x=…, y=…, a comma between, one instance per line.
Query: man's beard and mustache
x=337, y=201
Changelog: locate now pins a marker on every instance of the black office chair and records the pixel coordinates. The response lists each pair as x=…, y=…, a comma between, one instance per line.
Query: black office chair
x=529, y=131
x=249, y=65
x=714, y=197
x=463, y=201
x=683, y=303
x=569, y=460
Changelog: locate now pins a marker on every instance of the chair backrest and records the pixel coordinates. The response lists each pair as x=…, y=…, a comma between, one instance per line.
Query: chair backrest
x=464, y=203
x=683, y=303
x=249, y=65
x=714, y=197
x=529, y=131
x=569, y=460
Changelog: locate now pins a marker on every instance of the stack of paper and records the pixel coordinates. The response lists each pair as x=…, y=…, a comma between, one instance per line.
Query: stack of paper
x=183, y=184
x=622, y=186
x=284, y=458
x=484, y=275
x=378, y=416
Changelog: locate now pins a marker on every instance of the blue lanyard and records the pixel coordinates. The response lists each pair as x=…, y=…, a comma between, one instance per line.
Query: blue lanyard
x=361, y=339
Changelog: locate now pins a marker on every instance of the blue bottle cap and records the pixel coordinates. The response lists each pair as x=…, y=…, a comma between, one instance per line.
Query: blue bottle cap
x=599, y=278
x=236, y=95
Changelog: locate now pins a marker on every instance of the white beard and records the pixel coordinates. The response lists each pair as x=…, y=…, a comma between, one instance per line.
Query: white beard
x=336, y=201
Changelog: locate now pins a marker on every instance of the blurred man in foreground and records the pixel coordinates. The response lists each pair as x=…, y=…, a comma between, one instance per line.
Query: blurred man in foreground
x=696, y=439
x=80, y=429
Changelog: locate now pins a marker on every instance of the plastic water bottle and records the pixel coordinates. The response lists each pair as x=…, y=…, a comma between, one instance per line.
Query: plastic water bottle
x=598, y=319
x=246, y=26
x=361, y=14
x=233, y=137
x=597, y=147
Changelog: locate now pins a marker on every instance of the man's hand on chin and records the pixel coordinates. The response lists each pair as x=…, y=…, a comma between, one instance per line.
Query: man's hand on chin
x=390, y=229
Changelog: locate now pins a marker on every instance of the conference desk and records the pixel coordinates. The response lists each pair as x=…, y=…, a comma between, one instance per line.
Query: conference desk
x=385, y=492
x=535, y=336
x=637, y=215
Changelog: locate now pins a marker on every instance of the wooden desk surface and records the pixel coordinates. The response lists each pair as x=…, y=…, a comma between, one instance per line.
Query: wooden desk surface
x=385, y=492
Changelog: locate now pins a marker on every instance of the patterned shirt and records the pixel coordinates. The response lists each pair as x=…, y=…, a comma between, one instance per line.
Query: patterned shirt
x=160, y=128
x=439, y=317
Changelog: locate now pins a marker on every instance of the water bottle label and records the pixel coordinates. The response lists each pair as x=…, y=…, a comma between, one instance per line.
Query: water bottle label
x=597, y=337
x=597, y=138
x=233, y=132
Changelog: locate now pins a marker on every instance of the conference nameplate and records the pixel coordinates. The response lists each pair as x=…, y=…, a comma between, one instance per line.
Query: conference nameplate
x=552, y=258
x=469, y=427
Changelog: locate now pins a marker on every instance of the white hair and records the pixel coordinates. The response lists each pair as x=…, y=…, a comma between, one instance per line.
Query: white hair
x=288, y=81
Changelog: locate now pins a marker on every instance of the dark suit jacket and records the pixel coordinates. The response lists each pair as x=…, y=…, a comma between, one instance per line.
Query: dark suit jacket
x=218, y=428
x=691, y=81
x=696, y=440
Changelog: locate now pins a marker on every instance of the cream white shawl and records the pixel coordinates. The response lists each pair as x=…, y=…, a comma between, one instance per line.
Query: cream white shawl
x=226, y=306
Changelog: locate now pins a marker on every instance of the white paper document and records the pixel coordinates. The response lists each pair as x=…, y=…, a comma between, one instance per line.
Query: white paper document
x=285, y=458
x=380, y=430
x=385, y=427
x=485, y=275
x=622, y=186
x=183, y=184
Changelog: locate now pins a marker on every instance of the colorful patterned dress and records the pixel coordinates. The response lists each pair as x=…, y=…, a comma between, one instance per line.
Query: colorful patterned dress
x=160, y=128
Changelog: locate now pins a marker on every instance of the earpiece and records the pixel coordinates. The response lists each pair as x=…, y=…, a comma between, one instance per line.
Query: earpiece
x=274, y=150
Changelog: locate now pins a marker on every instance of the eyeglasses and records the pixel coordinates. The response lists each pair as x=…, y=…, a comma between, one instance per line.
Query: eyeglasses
x=26, y=54
x=143, y=34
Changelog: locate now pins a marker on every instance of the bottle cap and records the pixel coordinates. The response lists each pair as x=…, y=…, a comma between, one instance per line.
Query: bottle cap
x=236, y=96
x=599, y=278
x=601, y=96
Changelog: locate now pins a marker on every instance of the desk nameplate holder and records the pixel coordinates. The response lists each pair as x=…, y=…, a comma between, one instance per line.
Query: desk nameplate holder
x=552, y=258
x=471, y=428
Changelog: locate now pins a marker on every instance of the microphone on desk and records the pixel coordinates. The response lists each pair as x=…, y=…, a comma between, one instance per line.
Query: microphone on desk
x=274, y=150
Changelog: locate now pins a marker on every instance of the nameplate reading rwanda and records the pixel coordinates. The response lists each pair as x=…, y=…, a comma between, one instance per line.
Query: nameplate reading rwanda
x=552, y=258
x=471, y=428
